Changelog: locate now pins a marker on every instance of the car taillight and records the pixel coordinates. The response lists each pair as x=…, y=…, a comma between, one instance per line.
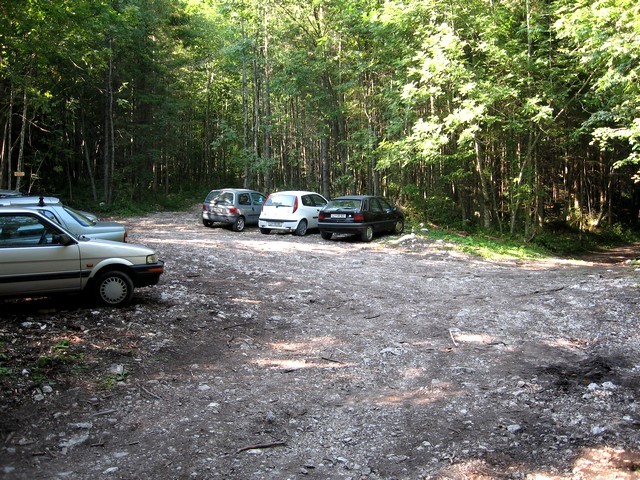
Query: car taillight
x=126, y=235
x=358, y=217
x=204, y=206
x=321, y=216
x=233, y=210
x=295, y=205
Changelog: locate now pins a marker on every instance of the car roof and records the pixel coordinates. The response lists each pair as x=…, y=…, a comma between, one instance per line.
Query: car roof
x=12, y=209
x=238, y=190
x=29, y=200
x=354, y=197
x=294, y=192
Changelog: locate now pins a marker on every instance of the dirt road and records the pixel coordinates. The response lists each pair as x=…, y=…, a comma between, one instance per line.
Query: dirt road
x=280, y=357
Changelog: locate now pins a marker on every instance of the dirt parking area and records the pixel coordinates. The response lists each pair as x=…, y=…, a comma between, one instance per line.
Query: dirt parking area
x=281, y=357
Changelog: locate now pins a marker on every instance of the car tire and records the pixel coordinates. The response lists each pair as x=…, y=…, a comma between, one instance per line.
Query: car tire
x=207, y=223
x=265, y=231
x=113, y=289
x=301, y=229
x=367, y=234
x=326, y=235
x=238, y=225
x=399, y=227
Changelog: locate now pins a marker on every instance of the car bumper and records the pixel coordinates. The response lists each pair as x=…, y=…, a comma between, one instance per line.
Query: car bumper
x=217, y=218
x=347, y=228
x=275, y=224
x=147, y=275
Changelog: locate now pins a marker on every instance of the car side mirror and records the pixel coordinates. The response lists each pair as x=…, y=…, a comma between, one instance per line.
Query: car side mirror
x=62, y=239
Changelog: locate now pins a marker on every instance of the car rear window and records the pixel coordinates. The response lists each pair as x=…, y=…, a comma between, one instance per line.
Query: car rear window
x=347, y=203
x=280, y=201
x=79, y=217
x=212, y=194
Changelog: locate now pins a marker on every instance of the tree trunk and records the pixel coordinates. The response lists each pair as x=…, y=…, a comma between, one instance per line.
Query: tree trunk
x=109, y=136
x=267, y=108
x=484, y=188
x=23, y=131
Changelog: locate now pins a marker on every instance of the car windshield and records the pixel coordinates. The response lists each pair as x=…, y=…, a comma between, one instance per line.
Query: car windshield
x=79, y=217
x=345, y=203
x=280, y=201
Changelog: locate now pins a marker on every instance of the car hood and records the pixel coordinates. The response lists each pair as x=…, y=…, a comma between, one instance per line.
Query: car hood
x=97, y=247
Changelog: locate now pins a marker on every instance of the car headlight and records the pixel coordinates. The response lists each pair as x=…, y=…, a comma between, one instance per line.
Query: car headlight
x=152, y=258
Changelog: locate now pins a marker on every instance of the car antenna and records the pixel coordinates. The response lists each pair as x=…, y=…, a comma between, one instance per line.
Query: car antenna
x=41, y=202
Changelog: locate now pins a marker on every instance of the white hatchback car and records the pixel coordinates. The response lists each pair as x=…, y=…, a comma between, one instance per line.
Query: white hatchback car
x=291, y=211
x=38, y=257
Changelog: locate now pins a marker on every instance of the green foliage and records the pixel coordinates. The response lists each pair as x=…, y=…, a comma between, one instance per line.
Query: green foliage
x=485, y=108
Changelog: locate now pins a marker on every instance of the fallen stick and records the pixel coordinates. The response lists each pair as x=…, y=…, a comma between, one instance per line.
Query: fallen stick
x=104, y=412
x=452, y=339
x=332, y=360
x=261, y=445
x=150, y=393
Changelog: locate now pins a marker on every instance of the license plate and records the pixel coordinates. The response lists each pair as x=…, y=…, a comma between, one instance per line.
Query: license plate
x=275, y=224
x=338, y=215
x=218, y=210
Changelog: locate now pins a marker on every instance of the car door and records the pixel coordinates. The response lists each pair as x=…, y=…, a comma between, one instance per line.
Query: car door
x=30, y=259
x=313, y=203
x=388, y=216
x=376, y=214
x=257, y=199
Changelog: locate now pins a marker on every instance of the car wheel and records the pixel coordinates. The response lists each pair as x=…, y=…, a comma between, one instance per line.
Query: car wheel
x=367, y=234
x=301, y=229
x=265, y=231
x=399, y=227
x=207, y=223
x=113, y=289
x=238, y=225
x=326, y=235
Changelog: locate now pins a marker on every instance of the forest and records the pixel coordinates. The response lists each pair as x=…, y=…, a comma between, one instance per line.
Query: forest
x=501, y=115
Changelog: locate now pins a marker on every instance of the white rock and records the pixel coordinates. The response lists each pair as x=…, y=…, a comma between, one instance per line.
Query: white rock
x=74, y=441
x=116, y=369
x=514, y=428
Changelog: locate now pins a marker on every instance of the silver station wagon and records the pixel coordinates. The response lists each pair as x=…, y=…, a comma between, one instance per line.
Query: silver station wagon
x=76, y=221
x=38, y=257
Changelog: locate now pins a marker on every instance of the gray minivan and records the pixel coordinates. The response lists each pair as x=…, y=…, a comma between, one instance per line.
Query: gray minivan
x=236, y=207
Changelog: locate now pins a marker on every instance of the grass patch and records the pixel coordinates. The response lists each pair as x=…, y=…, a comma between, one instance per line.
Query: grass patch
x=109, y=381
x=565, y=243
x=488, y=246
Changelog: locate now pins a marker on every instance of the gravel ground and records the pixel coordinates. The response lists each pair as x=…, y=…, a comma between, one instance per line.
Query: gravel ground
x=282, y=357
